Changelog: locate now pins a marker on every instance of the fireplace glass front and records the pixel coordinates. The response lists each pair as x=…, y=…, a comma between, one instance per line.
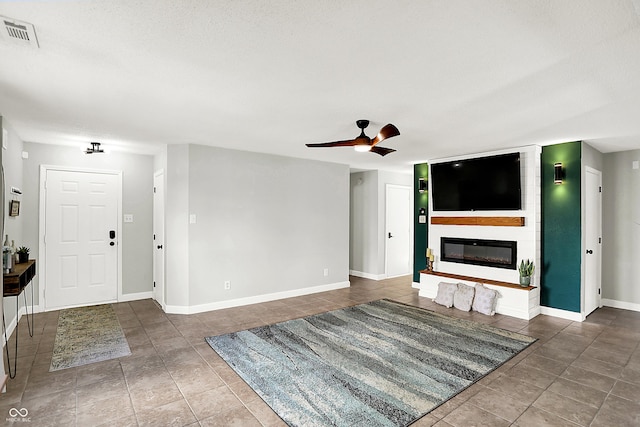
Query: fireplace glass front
x=488, y=253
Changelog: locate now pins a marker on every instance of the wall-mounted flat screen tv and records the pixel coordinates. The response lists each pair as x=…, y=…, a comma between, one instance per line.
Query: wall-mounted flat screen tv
x=481, y=184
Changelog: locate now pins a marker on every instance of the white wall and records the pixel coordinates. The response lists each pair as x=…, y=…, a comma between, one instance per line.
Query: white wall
x=176, y=238
x=621, y=230
x=13, y=226
x=2, y=374
x=367, y=220
x=527, y=237
x=363, y=224
x=268, y=224
x=137, y=199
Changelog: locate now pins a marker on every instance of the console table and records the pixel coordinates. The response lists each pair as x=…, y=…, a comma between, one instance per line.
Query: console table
x=14, y=284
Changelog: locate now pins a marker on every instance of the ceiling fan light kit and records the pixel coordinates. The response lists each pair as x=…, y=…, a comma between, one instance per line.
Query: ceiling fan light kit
x=363, y=143
x=95, y=148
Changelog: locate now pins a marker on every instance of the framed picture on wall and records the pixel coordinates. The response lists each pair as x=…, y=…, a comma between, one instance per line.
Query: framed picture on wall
x=14, y=208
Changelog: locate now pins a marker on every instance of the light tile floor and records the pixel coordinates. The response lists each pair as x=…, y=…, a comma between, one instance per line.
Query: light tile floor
x=577, y=374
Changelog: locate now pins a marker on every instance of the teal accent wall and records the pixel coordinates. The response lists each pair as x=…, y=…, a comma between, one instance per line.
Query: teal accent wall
x=561, y=228
x=420, y=231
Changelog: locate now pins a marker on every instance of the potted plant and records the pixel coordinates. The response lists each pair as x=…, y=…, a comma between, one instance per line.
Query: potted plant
x=23, y=254
x=526, y=271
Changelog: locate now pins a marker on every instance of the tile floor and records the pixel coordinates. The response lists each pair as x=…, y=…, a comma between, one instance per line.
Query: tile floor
x=577, y=374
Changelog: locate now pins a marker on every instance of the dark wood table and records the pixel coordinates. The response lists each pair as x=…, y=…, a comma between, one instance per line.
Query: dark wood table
x=14, y=284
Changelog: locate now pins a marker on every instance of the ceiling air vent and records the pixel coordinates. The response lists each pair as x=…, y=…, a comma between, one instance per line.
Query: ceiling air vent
x=19, y=32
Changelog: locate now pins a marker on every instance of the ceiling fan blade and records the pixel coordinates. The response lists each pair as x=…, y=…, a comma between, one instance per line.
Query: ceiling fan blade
x=387, y=131
x=383, y=151
x=361, y=140
x=345, y=143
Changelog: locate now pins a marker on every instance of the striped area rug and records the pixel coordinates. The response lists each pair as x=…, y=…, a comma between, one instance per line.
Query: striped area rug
x=377, y=364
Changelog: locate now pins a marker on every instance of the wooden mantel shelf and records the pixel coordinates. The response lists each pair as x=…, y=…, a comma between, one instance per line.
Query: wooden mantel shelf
x=478, y=280
x=496, y=221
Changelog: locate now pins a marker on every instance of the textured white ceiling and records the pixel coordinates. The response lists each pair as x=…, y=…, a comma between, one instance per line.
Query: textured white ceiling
x=456, y=77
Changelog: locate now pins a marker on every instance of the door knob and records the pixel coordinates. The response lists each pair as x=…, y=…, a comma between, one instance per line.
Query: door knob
x=159, y=246
x=112, y=244
x=589, y=251
x=390, y=236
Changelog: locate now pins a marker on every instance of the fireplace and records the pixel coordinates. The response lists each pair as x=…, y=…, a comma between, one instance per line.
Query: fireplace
x=488, y=253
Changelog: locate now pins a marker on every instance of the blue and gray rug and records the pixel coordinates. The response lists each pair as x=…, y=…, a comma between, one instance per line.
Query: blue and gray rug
x=377, y=364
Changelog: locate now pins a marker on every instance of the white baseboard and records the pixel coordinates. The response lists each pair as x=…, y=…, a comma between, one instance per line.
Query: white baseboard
x=563, y=314
x=367, y=275
x=177, y=309
x=135, y=296
x=620, y=304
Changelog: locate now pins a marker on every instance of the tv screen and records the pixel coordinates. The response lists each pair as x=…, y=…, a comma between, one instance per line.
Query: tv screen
x=482, y=184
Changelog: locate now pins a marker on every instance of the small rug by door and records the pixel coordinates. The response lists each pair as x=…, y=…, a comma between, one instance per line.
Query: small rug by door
x=377, y=364
x=87, y=335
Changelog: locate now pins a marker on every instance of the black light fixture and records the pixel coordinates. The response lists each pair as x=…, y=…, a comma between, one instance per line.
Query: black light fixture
x=95, y=148
x=558, y=173
x=422, y=185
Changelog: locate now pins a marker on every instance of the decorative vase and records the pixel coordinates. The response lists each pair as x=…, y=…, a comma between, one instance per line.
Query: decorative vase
x=525, y=281
x=22, y=257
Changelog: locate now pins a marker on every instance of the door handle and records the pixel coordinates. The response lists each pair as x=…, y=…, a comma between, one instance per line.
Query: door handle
x=589, y=251
x=390, y=236
x=159, y=246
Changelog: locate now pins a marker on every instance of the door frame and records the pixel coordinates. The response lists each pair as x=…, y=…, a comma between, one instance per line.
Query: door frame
x=42, y=281
x=386, y=221
x=160, y=292
x=583, y=293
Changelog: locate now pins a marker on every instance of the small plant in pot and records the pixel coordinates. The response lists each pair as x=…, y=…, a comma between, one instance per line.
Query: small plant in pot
x=23, y=254
x=526, y=271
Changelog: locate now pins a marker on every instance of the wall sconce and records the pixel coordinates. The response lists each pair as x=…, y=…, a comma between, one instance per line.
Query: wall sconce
x=422, y=185
x=558, y=173
x=95, y=148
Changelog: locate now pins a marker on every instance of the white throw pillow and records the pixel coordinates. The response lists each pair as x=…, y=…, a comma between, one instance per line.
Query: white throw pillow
x=463, y=297
x=445, y=294
x=485, y=300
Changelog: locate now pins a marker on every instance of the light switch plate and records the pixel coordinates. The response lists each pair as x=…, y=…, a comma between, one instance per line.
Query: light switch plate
x=128, y=218
x=192, y=219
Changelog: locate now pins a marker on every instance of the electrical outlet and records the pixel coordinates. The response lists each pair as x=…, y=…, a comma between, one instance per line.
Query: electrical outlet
x=326, y=272
x=227, y=285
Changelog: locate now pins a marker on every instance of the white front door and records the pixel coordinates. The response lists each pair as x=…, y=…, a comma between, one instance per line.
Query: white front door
x=593, y=244
x=398, y=230
x=158, y=237
x=81, y=238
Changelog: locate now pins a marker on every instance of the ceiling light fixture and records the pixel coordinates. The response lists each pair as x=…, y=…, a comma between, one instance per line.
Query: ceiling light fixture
x=95, y=148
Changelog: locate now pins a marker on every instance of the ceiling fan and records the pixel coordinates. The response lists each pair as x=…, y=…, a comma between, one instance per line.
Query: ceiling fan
x=363, y=142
